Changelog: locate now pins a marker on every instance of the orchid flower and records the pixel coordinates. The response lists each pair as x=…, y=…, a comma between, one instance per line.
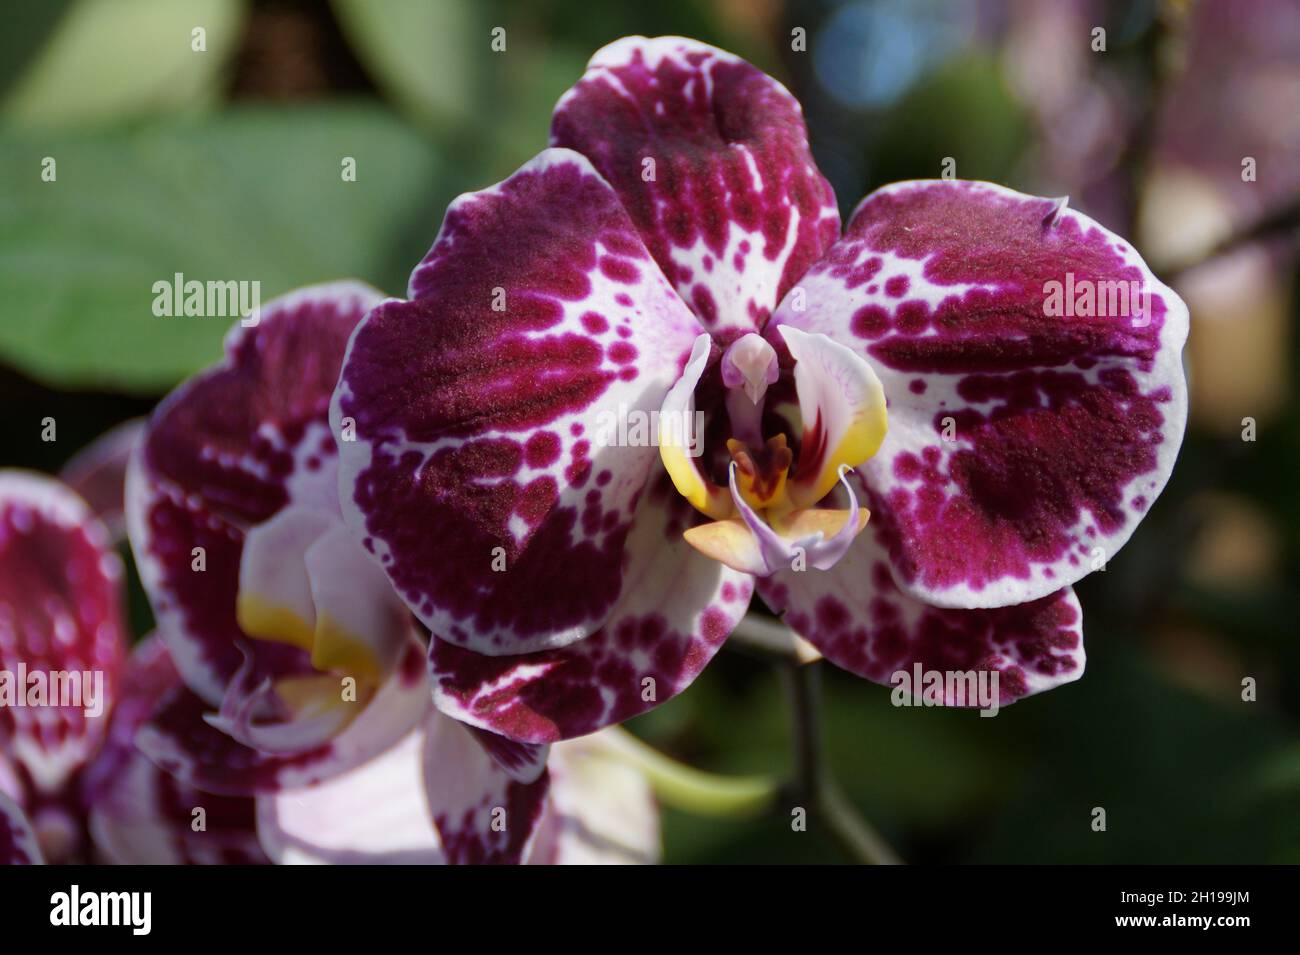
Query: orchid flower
x=304, y=674
x=73, y=786
x=676, y=256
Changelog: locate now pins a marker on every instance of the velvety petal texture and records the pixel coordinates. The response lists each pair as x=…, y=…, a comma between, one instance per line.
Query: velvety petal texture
x=1032, y=365
x=678, y=609
x=710, y=157
x=225, y=452
x=860, y=620
x=62, y=640
x=482, y=475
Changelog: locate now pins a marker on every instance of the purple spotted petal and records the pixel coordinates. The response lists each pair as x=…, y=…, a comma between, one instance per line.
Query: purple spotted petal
x=483, y=816
x=679, y=608
x=710, y=157
x=225, y=451
x=860, y=620
x=1023, y=446
x=142, y=815
x=17, y=842
x=521, y=761
x=61, y=633
x=478, y=475
x=375, y=814
x=183, y=742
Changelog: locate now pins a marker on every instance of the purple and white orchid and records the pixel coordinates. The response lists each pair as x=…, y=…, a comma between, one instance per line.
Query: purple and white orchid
x=676, y=255
x=304, y=682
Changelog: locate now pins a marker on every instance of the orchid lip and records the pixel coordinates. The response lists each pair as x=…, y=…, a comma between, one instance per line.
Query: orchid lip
x=765, y=516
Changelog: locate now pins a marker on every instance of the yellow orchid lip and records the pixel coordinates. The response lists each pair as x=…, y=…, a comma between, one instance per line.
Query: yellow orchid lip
x=769, y=506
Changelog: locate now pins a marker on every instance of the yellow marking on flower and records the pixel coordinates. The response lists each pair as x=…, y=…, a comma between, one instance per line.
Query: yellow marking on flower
x=805, y=522
x=862, y=439
x=729, y=542
x=703, y=495
x=336, y=648
x=275, y=623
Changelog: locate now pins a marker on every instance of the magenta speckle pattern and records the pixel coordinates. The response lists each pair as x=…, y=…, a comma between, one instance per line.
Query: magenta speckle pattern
x=710, y=157
x=1023, y=444
x=860, y=620
x=482, y=474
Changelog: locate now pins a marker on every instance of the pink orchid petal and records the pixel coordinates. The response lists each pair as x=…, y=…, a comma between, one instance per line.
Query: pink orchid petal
x=60, y=622
x=226, y=451
x=181, y=740
x=482, y=815
x=17, y=842
x=98, y=473
x=140, y=815
x=677, y=610
x=861, y=621
x=374, y=814
x=710, y=157
x=1023, y=447
x=478, y=477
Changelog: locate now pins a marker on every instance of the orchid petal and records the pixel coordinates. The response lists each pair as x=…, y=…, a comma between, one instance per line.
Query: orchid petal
x=60, y=616
x=710, y=157
x=98, y=473
x=861, y=621
x=182, y=741
x=842, y=406
x=602, y=810
x=275, y=594
x=225, y=452
x=523, y=762
x=477, y=478
x=677, y=610
x=1023, y=447
x=482, y=815
x=679, y=441
x=374, y=814
x=361, y=625
x=140, y=815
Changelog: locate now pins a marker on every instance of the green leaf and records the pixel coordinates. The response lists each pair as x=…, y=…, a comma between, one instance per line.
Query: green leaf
x=426, y=54
x=256, y=194
x=114, y=59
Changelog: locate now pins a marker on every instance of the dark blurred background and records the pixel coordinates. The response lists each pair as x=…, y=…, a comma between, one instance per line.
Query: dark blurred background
x=1182, y=133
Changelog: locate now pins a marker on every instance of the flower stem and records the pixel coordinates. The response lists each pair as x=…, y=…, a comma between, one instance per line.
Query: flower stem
x=827, y=803
x=692, y=790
